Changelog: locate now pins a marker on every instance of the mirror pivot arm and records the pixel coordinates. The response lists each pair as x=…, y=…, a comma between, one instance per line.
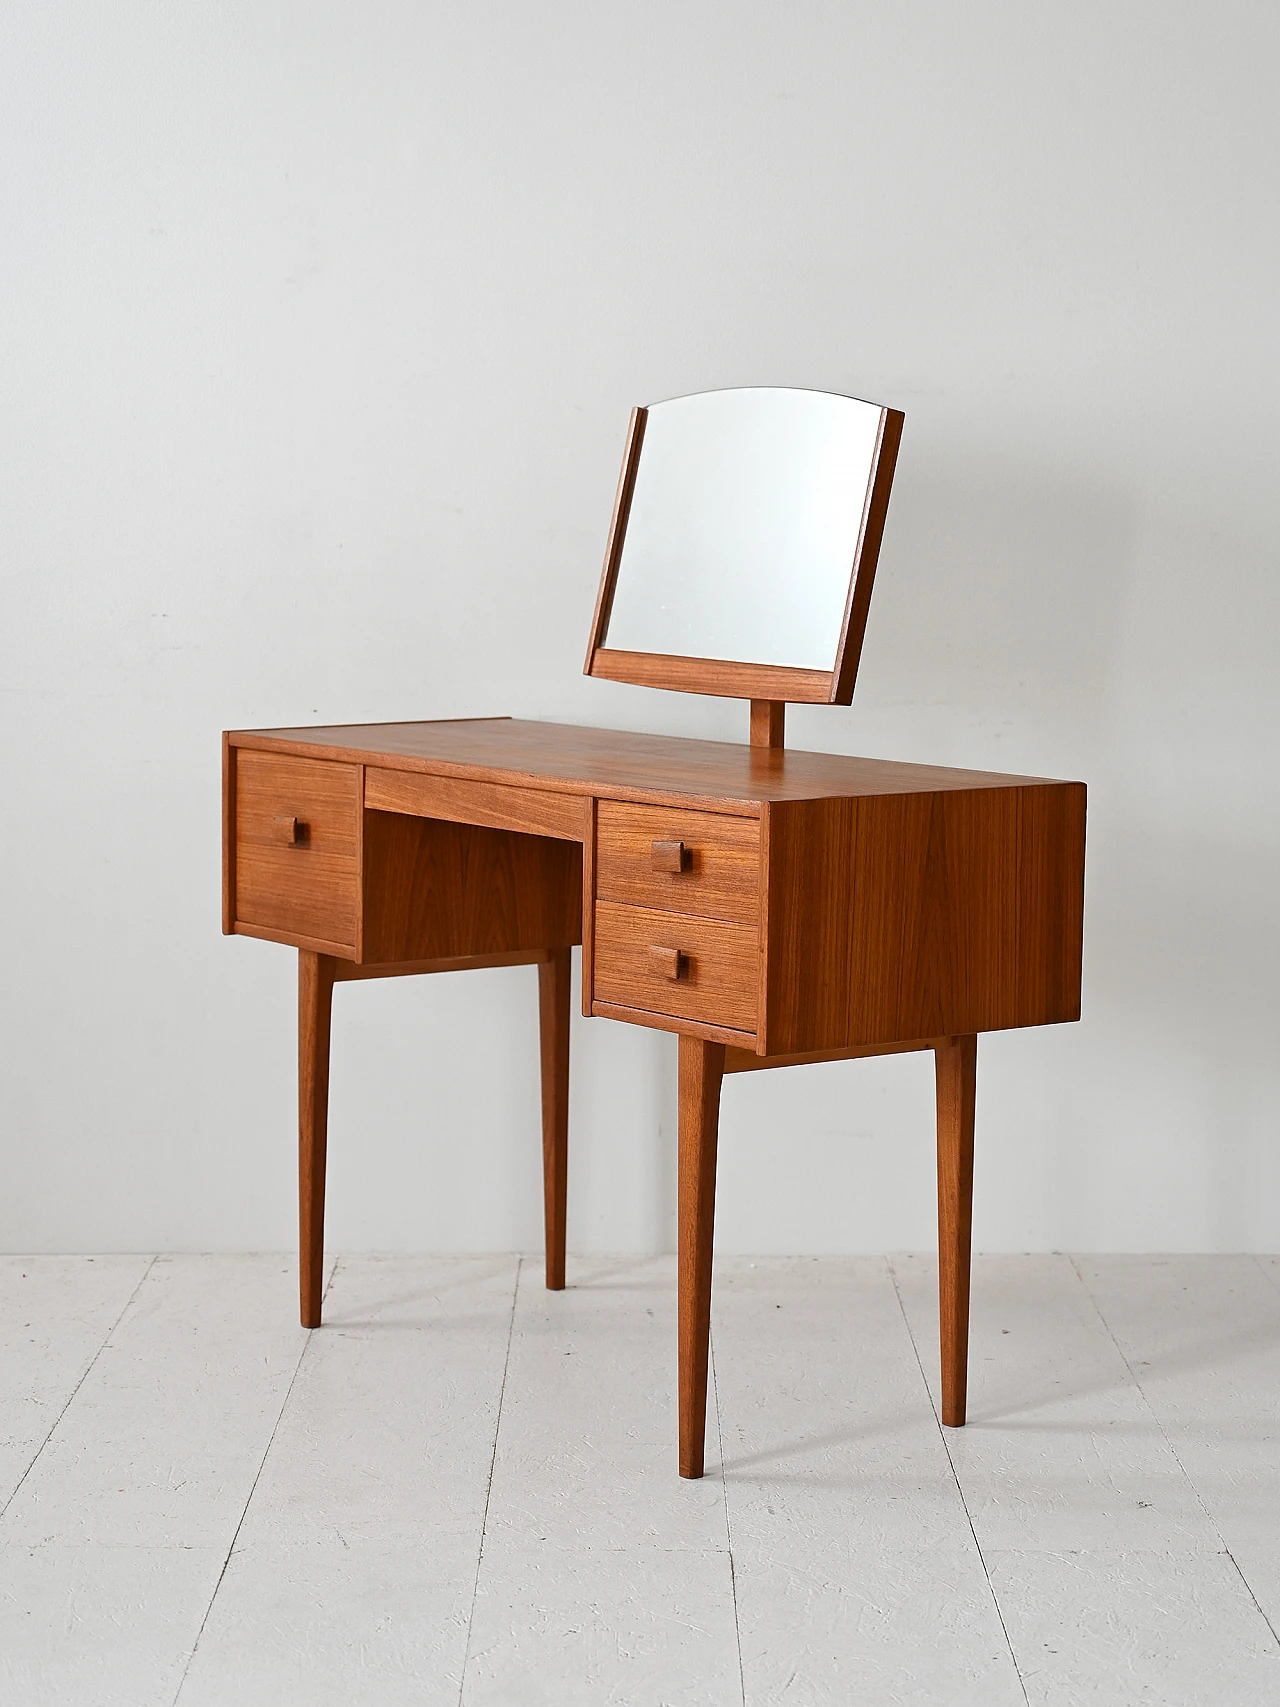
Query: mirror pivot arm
x=767, y=719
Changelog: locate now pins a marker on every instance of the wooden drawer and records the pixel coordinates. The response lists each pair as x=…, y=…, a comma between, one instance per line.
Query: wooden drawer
x=718, y=856
x=323, y=797
x=719, y=969
x=297, y=846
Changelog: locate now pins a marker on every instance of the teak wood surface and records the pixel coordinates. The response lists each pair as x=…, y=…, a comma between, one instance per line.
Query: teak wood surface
x=553, y=1027
x=433, y=889
x=317, y=975
x=957, y=1073
x=717, y=986
x=315, y=1004
x=923, y=915
x=774, y=908
x=768, y=723
x=700, y=1069
x=716, y=874
x=611, y=764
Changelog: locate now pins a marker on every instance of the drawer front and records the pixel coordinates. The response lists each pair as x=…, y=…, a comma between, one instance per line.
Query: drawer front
x=703, y=863
x=323, y=797
x=297, y=842
x=668, y=963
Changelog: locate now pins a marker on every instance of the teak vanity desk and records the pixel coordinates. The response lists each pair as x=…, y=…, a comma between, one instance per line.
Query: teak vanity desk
x=771, y=907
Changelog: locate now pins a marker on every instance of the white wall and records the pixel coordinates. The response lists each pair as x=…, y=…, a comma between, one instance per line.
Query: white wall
x=319, y=329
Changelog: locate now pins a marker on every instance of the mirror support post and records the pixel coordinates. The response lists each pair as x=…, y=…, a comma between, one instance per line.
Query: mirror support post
x=767, y=717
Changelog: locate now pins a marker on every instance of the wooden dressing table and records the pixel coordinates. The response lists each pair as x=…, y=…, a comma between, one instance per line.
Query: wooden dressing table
x=771, y=907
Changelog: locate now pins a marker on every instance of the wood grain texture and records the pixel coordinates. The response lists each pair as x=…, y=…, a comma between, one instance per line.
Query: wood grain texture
x=553, y=1020
x=667, y=1022
x=701, y=1066
x=957, y=1070
x=718, y=877
x=747, y=1061
x=435, y=890
x=324, y=797
x=289, y=830
x=916, y=915
x=616, y=764
x=293, y=891
x=315, y=1003
x=228, y=837
x=296, y=827
x=361, y=772
x=499, y=806
x=345, y=951
x=727, y=680
x=617, y=533
x=669, y=962
x=347, y=971
x=858, y=603
x=589, y=907
x=763, y=929
x=1050, y=867
x=768, y=723
x=719, y=985
x=669, y=856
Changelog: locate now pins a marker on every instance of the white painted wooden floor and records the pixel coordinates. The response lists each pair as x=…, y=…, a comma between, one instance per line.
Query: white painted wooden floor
x=463, y=1489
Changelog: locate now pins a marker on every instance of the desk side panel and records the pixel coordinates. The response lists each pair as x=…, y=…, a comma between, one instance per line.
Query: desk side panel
x=228, y=837
x=897, y=917
x=435, y=890
x=1051, y=838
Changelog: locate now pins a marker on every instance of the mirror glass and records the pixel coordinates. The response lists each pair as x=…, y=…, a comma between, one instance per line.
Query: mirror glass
x=744, y=526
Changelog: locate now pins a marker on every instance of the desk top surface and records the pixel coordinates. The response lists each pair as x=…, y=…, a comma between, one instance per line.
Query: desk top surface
x=616, y=763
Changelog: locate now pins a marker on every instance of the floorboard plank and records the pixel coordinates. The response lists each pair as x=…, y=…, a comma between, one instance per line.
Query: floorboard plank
x=587, y=1448
x=95, y=1626
x=858, y=1580
x=55, y=1314
x=1118, y=1629
x=604, y=1576
x=1061, y=1451
x=322, y=1625
x=579, y=1626
x=354, y=1571
x=1202, y=1335
x=388, y=1434
x=1119, y=1471
x=161, y=1444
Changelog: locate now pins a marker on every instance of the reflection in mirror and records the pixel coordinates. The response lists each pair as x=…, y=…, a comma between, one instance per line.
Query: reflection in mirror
x=744, y=527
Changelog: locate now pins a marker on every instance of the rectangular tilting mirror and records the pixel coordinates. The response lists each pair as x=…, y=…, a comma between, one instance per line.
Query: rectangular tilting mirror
x=744, y=543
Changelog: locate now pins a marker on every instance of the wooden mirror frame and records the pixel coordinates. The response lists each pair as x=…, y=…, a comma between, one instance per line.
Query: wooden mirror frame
x=781, y=683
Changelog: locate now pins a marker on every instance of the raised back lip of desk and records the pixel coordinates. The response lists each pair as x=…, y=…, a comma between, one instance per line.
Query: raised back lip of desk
x=615, y=764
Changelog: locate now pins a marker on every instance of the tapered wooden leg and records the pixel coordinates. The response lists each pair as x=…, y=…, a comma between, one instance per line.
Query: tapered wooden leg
x=957, y=1067
x=701, y=1070
x=553, y=1017
x=315, y=1004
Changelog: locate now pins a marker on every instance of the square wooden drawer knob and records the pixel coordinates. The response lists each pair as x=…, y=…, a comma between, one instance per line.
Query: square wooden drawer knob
x=671, y=856
x=291, y=831
x=670, y=962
